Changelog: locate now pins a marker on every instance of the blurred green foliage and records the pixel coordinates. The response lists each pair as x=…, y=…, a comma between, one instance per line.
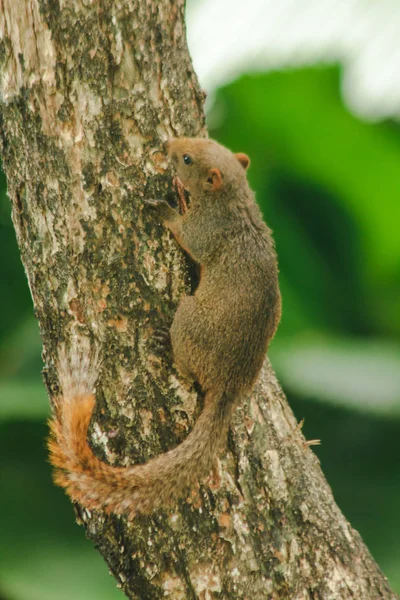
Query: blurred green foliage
x=328, y=185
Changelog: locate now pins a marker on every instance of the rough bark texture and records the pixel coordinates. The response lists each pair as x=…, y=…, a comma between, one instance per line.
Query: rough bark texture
x=88, y=92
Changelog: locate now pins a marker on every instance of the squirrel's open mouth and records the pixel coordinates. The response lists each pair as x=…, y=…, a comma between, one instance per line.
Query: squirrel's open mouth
x=183, y=195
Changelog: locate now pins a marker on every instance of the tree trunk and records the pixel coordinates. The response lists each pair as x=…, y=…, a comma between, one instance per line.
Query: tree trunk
x=89, y=90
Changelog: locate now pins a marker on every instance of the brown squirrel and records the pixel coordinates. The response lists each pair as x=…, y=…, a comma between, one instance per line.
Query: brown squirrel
x=219, y=335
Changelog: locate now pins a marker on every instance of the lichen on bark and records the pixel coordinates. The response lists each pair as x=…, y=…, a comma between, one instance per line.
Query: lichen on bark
x=89, y=91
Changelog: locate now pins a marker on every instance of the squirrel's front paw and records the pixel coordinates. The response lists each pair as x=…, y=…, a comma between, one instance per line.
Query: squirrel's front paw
x=154, y=203
x=161, y=208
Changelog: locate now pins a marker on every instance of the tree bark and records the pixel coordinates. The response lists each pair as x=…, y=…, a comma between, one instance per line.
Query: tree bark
x=89, y=90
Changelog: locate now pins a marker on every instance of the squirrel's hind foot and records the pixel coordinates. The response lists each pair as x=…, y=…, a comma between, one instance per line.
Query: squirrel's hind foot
x=161, y=340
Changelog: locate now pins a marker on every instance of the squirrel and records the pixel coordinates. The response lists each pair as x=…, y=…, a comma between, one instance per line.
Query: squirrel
x=219, y=335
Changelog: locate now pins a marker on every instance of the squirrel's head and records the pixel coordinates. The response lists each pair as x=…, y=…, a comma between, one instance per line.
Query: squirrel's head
x=205, y=167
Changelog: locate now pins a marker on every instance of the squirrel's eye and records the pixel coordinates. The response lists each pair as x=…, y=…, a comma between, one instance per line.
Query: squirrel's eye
x=187, y=160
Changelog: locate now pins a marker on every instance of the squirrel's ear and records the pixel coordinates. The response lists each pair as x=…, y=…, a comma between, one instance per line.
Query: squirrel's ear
x=243, y=159
x=214, y=180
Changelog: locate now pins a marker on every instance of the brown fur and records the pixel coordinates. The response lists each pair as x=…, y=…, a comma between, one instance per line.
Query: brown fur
x=219, y=336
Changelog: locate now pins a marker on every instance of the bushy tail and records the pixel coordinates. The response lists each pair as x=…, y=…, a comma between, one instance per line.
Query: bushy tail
x=137, y=489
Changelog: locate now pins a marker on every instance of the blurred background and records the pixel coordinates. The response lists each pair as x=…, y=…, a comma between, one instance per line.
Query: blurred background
x=311, y=91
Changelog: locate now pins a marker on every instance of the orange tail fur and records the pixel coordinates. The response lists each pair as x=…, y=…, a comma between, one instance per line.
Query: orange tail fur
x=128, y=490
